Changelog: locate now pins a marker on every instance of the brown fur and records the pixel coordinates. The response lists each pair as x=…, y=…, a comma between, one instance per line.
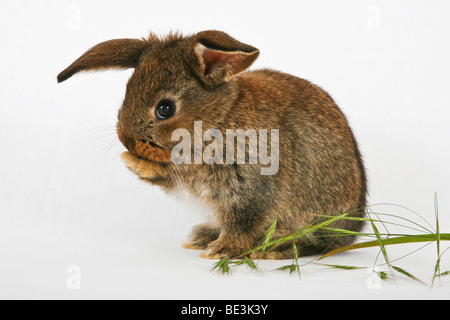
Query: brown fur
x=320, y=169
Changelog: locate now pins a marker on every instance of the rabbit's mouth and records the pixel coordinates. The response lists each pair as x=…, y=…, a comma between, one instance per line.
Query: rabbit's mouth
x=143, y=148
x=149, y=150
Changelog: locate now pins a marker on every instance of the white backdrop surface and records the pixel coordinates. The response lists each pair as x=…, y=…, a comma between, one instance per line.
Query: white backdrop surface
x=67, y=203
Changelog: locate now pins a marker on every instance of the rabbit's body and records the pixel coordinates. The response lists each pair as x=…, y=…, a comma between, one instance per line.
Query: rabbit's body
x=320, y=169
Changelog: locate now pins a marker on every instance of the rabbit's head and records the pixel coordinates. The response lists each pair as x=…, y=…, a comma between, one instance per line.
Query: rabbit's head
x=177, y=80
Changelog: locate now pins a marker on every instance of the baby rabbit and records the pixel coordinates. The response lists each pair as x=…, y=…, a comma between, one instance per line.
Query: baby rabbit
x=181, y=81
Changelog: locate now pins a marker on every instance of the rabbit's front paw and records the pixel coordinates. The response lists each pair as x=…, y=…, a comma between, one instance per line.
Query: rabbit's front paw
x=224, y=247
x=143, y=168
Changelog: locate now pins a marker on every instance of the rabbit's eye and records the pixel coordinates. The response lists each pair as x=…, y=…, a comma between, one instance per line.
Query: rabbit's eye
x=165, y=109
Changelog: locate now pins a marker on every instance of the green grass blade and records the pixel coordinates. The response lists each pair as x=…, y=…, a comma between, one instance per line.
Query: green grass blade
x=268, y=237
x=408, y=209
x=294, y=248
x=380, y=242
x=345, y=232
x=314, y=227
x=406, y=273
x=422, y=228
x=290, y=267
x=394, y=240
x=304, y=231
x=223, y=266
x=250, y=264
x=339, y=266
x=437, y=267
x=383, y=275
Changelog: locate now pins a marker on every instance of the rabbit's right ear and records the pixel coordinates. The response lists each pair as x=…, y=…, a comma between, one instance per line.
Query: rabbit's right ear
x=119, y=54
x=220, y=57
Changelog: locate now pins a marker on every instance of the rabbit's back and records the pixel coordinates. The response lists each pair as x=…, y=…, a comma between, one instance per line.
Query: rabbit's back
x=320, y=167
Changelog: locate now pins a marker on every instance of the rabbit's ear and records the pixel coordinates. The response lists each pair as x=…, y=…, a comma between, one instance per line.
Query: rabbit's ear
x=119, y=54
x=221, y=57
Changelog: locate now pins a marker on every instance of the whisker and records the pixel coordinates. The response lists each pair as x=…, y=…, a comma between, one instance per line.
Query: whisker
x=172, y=176
x=178, y=174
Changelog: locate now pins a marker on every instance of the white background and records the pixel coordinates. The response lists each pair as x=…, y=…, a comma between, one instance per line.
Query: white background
x=66, y=200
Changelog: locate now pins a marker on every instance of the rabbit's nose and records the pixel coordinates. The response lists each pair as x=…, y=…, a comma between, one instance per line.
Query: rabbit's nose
x=130, y=144
x=127, y=141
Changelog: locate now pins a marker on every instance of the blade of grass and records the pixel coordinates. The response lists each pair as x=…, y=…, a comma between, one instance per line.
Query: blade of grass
x=344, y=232
x=268, y=237
x=408, y=209
x=383, y=275
x=387, y=222
x=380, y=242
x=338, y=266
x=314, y=227
x=437, y=267
x=394, y=240
x=406, y=273
x=250, y=264
x=405, y=219
x=223, y=266
x=304, y=231
x=290, y=267
x=294, y=247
